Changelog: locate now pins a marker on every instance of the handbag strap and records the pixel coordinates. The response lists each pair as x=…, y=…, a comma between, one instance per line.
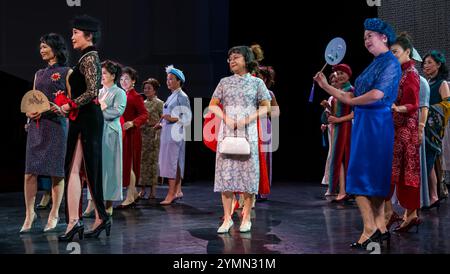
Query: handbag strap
x=235, y=130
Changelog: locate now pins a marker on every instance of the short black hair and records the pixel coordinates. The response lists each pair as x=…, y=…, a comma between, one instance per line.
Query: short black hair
x=113, y=68
x=439, y=58
x=132, y=72
x=249, y=57
x=58, y=45
x=95, y=36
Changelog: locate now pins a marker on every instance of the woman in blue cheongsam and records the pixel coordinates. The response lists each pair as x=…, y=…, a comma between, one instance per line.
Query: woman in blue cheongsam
x=370, y=166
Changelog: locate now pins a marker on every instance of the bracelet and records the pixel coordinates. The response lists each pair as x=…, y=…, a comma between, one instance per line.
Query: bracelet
x=422, y=124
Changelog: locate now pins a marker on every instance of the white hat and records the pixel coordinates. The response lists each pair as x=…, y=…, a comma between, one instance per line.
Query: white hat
x=416, y=55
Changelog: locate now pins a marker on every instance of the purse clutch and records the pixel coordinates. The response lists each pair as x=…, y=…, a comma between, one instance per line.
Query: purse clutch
x=234, y=145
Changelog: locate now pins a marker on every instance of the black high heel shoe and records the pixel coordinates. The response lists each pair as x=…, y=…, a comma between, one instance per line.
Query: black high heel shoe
x=77, y=228
x=395, y=218
x=413, y=223
x=436, y=205
x=386, y=236
x=376, y=237
x=105, y=225
x=120, y=207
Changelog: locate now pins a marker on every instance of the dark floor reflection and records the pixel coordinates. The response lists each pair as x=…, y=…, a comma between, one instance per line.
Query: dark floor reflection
x=295, y=220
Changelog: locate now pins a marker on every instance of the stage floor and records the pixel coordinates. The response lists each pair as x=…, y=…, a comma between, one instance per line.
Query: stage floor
x=295, y=220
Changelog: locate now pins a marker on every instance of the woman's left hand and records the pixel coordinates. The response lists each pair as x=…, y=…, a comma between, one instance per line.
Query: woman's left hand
x=166, y=117
x=241, y=123
x=128, y=125
x=333, y=120
x=394, y=108
x=158, y=126
x=66, y=108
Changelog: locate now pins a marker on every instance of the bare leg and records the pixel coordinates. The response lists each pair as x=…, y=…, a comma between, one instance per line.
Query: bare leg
x=227, y=200
x=378, y=212
x=433, y=186
x=409, y=216
x=241, y=200
x=153, y=191
x=74, y=187
x=132, y=193
x=30, y=189
x=233, y=203
x=90, y=206
x=365, y=208
x=109, y=207
x=98, y=221
x=45, y=200
x=342, y=192
x=178, y=192
x=57, y=195
x=247, y=209
x=170, y=193
x=388, y=211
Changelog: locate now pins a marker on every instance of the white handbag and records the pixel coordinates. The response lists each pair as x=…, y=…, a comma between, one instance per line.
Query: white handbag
x=234, y=145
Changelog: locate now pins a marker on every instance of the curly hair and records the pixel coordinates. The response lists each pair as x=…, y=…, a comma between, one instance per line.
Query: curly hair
x=258, y=52
x=58, y=45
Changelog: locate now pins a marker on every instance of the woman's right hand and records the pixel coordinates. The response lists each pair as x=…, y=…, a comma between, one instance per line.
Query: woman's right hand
x=325, y=104
x=321, y=80
x=33, y=115
x=103, y=105
x=323, y=127
x=231, y=123
x=157, y=126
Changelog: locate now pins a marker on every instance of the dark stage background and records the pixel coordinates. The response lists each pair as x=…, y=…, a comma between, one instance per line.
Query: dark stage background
x=194, y=35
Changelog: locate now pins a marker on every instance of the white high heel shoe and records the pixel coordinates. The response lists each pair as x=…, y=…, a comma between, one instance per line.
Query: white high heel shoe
x=51, y=224
x=245, y=227
x=225, y=227
x=25, y=230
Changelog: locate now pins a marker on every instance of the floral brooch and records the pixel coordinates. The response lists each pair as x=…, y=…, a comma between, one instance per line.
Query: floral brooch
x=55, y=76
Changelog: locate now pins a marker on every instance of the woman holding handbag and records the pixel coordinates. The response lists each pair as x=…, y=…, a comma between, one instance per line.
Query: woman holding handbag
x=244, y=99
